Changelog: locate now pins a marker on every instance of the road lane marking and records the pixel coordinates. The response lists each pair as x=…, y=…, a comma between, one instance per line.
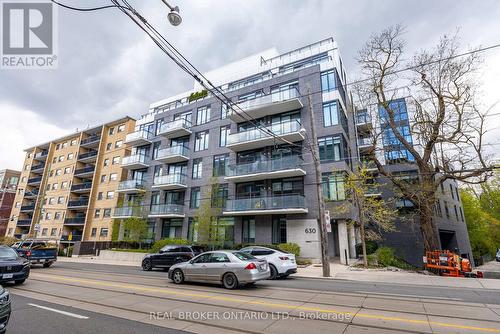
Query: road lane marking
x=69, y=314
x=263, y=303
x=403, y=295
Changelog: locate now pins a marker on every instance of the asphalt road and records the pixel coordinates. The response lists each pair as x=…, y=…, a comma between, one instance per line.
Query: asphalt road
x=486, y=296
x=45, y=319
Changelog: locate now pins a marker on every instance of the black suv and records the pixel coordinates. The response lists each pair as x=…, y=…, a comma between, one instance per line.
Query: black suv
x=170, y=255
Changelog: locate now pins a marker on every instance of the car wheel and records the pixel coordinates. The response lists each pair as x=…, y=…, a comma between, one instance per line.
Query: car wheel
x=146, y=265
x=274, y=272
x=177, y=276
x=47, y=264
x=230, y=281
x=19, y=281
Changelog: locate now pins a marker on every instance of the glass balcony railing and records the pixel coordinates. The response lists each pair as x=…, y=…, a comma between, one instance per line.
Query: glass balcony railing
x=265, y=166
x=81, y=186
x=74, y=221
x=128, y=211
x=136, y=159
x=170, y=179
x=363, y=118
x=181, y=123
x=139, y=135
x=282, y=202
x=37, y=167
x=85, y=170
x=91, y=139
x=131, y=184
x=365, y=141
x=87, y=155
x=35, y=180
x=78, y=202
x=279, y=129
x=167, y=209
x=173, y=151
x=42, y=154
x=277, y=96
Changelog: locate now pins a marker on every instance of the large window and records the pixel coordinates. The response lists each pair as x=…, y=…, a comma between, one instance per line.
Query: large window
x=248, y=231
x=279, y=230
x=330, y=113
x=195, y=198
x=224, y=111
x=221, y=163
x=328, y=81
x=224, y=132
x=334, y=186
x=331, y=148
x=185, y=115
x=197, y=168
x=201, y=141
x=172, y=228
x=203, y=115
x=219, y=195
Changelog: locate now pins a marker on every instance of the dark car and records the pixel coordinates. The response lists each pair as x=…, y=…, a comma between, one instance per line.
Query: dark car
x=170, y=255
x=4, y=309
x=13, y=267
x=498, y=255
x=37, y=251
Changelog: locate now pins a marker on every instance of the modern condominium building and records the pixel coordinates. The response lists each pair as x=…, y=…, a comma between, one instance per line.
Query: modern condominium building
x=67, y=188
x=8, y=185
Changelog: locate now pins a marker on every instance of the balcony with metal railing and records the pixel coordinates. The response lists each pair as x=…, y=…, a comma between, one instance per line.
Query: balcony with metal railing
x=28, y=208
x=274, y=103
x=23, y=222
x=71, y=238
x=131, y=186
x=90, y=156
x=81, y=187
x=135, y=161
x=138, y=138
x=80, y=203
x=174, y=154
x=365, y=144
x=278, y=204
x=38, y=168
x=31, y=193
x=373, y=191
x=170, y=181
x=364, y=121
x=128, y=212
x=74, y=221
x=35, y=180
x=92, y=141
x=85, y=172
x=266, y=169
x=42, y=155
x=284, y=132
x=167, y=211
x=178, y=128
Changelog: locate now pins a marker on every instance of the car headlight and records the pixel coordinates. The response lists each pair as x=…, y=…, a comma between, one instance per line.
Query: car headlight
x=4, y=298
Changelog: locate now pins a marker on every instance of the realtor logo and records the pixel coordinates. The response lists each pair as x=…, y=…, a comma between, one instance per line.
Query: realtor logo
x=28, y=35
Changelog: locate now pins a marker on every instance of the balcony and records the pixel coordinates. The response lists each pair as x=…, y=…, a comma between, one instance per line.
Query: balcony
x=136, y=161
x=71, y=237
x=31, y=194
x=284, y=204
x=41, y=156
x=81, y=203
x=81, y=187
x=128, y=212
x=369, y=165
x=24, y=222
x=257, y=138
x=170, y=181
x=173, y=154
x=91, y=142
x=74, y=221
x=38, y=169
x=267, y=169
x=85, y=172
x=177, y=128
x=167, y=211
x=131, y=186
x=373, y=191
x=364, y=122
x=365, y=144
x=35, y=180
x=275, y=103
x=28, y=208
x=138, y=138
x=88, y=156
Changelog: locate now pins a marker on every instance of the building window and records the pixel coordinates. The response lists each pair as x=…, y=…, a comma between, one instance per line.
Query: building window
x=334, y=186
x=111, y=131
x=103, y=178
x=97, y=213
x=461, y=214
x=73, y=142
x=224, y=111
x=67, y=170
x=197, y=168
x=65, y=144
x=93, y=233
x=60, y=200
x=279, y=230
x=121, y=127
x=446, y=210
x=220, y=166
x=116, y=160
x=328, y=81
x=330, y=148
x=195, y=198
x=106, y=213
x=248, y=231
x=48, y=216
x=58, y=146
x=70, y=156
x=106, y=162
x=104, y=232
x=52, y=200
x=53, y=232
x=44, y=232
x=439, y=211
x=64, y=185
x=110, y=195
x=113, y=176
x=57, y=216
x=201, y=141
x=220, y=194
x=118, y=143
x=330, y=114
x=109, y=146
x=58, y=172
x=203, y=115
x=456, y=212
x=224, y=132
x=61, y=158
x=99, y=195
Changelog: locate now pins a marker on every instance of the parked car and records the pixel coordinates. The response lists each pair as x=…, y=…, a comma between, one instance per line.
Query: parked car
x=231, y=268
x=37, y=251
x=281, y=264
x=13, y=267
x=170, y=255
x=4, y=309
x=498, y=255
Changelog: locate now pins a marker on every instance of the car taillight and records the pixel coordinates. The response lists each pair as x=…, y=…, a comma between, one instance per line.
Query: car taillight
x=284, y=258
x=28, y=253
x=251, y=266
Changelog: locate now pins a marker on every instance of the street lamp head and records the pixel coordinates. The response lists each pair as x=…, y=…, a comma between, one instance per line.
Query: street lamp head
x=174, y=17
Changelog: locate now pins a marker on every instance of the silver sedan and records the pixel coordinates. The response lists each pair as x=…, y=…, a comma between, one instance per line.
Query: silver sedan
x=231, y=268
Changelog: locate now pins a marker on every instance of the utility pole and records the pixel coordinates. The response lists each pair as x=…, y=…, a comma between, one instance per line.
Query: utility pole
x=313, y=145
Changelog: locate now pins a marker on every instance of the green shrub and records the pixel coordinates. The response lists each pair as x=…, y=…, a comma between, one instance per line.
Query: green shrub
x=304, y=262
x=169, y=241
x=385, y=256
x=371, y=247
x=290, y=247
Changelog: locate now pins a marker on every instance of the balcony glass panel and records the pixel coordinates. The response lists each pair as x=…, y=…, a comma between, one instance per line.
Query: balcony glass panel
x=267, y=203
x=170, y=179
x=135, y=159
x=85, y=170
x=141, y=134
x=87, y=155
x=128, y=211
x=35, y=179
x=81, y=186
x=78, y=202
x=91, y=139
x=256, y=134
x=273, y=165
x=166, y=209
x=174, y=150
x=177, y=124
x=277, y=96
x=131, y=184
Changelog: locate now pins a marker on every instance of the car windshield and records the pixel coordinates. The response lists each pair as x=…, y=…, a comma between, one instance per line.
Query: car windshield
x=244, y=256
x=8, y=253
x=198, y=249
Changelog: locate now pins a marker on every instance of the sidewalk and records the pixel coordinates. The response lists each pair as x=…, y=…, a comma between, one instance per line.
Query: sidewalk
x=341, y=272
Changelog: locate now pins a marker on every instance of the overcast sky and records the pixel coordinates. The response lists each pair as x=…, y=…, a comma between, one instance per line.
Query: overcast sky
x=108, y=68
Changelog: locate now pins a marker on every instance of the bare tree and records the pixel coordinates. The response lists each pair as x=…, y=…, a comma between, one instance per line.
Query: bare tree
x=447, y=124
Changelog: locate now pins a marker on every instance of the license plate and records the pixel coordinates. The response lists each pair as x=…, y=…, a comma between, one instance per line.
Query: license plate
x=8, y=275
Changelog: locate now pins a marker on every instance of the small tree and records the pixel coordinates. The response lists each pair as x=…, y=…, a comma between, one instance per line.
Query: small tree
x=206, y=216
x=136, y=229
x=373, y=215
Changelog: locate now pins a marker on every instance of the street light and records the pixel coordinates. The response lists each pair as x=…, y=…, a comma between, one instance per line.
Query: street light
x=173, y=17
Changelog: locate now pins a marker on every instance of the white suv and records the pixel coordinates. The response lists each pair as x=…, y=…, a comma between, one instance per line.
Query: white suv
x=281, y=264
